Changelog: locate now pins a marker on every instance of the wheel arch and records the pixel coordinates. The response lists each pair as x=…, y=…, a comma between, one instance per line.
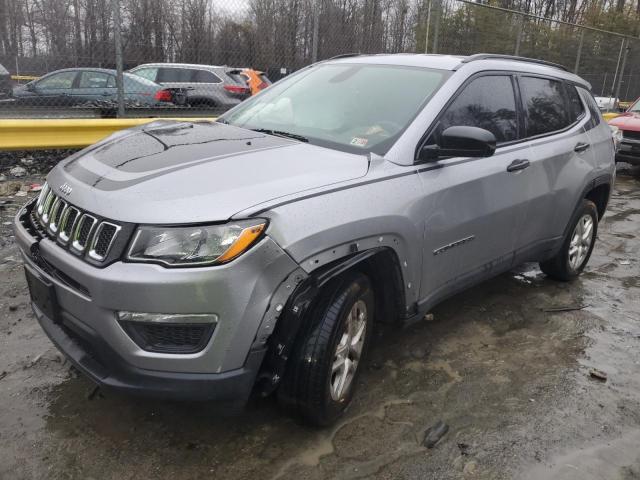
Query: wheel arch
x=382, y=267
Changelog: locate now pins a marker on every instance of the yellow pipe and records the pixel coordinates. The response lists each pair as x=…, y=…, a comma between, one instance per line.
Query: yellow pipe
x=23, y=134
x=23, y=77
x=609, y=115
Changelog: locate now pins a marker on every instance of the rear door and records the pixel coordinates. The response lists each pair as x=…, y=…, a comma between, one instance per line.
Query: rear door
x=562, y=156
x=473, y=206
x=94, y=86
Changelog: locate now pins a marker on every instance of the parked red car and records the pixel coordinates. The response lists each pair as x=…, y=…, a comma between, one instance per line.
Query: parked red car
x=629, y=123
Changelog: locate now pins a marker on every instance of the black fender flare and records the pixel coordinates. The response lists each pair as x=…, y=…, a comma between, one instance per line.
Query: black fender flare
x=281, y=343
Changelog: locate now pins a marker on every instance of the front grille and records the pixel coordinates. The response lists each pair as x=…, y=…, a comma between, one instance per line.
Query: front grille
x=631, y=134
x=169, y=338
x=82, y=232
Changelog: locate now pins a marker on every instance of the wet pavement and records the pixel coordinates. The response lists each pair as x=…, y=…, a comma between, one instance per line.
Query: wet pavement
x=505, y=365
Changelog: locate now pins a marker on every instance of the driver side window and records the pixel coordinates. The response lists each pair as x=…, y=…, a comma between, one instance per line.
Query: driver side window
x=59, y=81
x=487, y=102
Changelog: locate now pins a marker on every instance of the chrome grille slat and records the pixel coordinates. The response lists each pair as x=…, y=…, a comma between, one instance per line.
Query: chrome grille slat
x=48, y=203
x=56, y=216
x=103, y=239
x=73, y=228
x=82, y=232
x=68, y=223
x=43, y=194
x=53, y=213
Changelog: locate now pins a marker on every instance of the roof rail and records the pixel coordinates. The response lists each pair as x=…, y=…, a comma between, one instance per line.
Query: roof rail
x=496, y=56
x=345, y=55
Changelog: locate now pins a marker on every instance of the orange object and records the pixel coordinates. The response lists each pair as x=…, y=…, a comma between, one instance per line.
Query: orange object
x=244, y=241
x=256, y=80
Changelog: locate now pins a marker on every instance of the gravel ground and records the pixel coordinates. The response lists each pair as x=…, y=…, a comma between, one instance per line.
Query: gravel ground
x=505, y=371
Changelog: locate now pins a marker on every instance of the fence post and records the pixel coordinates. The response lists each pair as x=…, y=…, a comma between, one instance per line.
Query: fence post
x=316, y=28
x=579, y=54
x=436, y=27
x=426, y=35
x=615, y=75
x=520, y=27
x=118, y=47
x=620, y=75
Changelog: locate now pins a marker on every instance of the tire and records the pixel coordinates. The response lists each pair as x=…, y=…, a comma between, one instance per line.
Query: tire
x=311, y=386
x=568, y=263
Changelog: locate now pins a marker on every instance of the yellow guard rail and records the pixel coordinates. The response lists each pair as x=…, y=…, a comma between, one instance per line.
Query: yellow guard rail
x=44, y=134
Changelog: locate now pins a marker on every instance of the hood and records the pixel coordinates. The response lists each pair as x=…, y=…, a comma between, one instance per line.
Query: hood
x=627, y=121
x=183, y=172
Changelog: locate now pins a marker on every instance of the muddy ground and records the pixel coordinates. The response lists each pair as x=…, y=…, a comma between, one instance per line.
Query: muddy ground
x=507, y=373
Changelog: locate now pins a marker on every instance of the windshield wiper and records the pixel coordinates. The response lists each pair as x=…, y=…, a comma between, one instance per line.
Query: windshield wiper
x=280, y=133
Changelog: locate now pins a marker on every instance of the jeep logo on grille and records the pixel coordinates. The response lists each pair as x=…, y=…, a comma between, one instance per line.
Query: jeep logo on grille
x=65, y=188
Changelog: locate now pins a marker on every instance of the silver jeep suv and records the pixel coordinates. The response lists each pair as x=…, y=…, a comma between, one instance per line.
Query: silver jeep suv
x=257, y=253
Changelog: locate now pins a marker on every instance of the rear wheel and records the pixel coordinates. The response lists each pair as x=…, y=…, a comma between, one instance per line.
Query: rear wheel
x=576, y=249
x=321, y=375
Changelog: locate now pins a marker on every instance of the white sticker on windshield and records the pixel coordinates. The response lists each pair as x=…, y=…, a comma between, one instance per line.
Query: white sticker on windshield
x=359, y=142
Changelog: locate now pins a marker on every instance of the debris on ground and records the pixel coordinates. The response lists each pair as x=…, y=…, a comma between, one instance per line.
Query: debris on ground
x=435, y=433
x=9, y=188
x=625, y=262
x=3, y=374
x=569, y=308
x=18, y=171
x=598, y=374
x=428, y=317
x=465, y=449
x=92, y=394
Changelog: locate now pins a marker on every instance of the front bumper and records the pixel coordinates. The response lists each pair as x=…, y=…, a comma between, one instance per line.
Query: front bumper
x=93, y=356
x=629, y=151
x=89, y=334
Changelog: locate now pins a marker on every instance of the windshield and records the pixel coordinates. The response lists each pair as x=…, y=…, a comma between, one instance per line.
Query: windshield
x=350, y=107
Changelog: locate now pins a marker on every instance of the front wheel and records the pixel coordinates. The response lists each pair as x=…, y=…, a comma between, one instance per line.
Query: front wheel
x=576, y=249
x=322, y=373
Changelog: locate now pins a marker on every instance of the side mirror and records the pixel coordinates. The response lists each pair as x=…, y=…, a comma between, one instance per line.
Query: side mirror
x=461, y=142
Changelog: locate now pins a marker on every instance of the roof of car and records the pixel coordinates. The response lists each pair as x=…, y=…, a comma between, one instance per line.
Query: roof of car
x=455, y=62
x=178, y=65
x=84, y=69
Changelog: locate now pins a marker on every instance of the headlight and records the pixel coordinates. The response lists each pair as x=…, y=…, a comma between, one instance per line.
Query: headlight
x=617, y=136
x=194, y=245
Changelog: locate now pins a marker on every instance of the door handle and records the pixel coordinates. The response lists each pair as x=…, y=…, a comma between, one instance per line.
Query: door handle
x=519, y=164
x=581, y=147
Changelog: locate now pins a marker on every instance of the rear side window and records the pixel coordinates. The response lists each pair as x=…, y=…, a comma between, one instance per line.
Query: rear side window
x=594, y=111
x=487, y=102
x=150, y=73
x=545, y=110
x=93, y=80
x=169, y=75
x=186, y=75
x=576, y=108
x=205, y=76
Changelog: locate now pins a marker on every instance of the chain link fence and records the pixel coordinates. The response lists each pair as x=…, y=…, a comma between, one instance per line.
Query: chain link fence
x=201, y=57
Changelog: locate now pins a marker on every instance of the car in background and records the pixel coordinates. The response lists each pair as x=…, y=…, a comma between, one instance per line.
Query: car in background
x=5, y=82
x=207, y=86
x=606, y=104
x=77, y=86
x=629, y=124
x=256, y=80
